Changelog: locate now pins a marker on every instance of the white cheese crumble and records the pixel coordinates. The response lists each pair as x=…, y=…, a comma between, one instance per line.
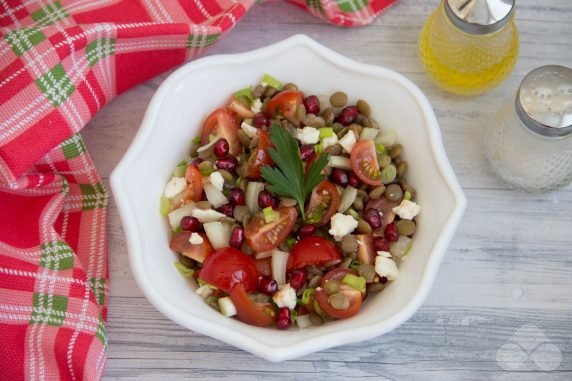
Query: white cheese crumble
x=249, y=130
x=227, y=307
x=332, y=140
x=348, y=141
x=207, y=215
x=175, y=186
x=285, y=297
x=308, y=135
x=256, y=106
x=196, y=239
x=205, y=291
x=386, y=267
x=342, y=225
x=384, y=254
x=407, y=210
x=216, y=180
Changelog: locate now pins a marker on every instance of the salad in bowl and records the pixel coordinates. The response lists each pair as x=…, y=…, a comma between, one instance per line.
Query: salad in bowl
x=291, y=208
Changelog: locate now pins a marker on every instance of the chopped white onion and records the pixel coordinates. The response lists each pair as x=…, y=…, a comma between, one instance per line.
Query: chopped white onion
x=304, y=321
x=177, y=215
x=368, y=133
x=215, y=197
x=252, y=190
x=218, y=233
x=279, y=262
x=387, y=138
x=263, y=254
x=339, y=162
x=207, y=215
x=348, y=198
x=401, y=247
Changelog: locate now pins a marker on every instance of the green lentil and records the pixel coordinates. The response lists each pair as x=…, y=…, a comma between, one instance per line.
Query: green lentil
x=363, y=227
x=367, y=271
x=393, y=192
x=405, y=227
x=332, y=286
x=339, y=301
x=384, y=161
x=401, y=169
x=388, y=174
x=363, y=107
x=300, y=112
x=290, y=86
x=377, y=192
x=396, y=151
x=349, y=243
x=339, y=99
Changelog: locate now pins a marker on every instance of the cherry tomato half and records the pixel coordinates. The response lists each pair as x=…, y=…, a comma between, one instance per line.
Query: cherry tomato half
x=240, y=109
x=224, y=123
x=324, y=203
x=180, y=244
x=259, y=156
x=313, y=250
x=228, y=267
x=264, y=266
x=194, y=190
x=265, y=236
x=355, y=297
x=363, y=160
x=260, y=315
x=285, y=103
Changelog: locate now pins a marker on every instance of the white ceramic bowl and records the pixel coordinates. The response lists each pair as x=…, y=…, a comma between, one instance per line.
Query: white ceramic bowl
x=175, y=116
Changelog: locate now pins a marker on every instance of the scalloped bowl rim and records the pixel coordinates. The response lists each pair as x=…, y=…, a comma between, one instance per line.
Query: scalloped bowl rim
x=239, y=339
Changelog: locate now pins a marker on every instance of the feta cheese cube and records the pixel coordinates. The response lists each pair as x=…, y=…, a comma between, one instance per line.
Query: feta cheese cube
x=348, y=141
x=249, y=130
x=175, y=186
x=407, y=210
x=256, y=106
x=196, y=239
x=332, y=140
x=205, y=291
x=216, y=180
x=342, y=225
x=386, y=267
x=285, y=297
x=308, y=135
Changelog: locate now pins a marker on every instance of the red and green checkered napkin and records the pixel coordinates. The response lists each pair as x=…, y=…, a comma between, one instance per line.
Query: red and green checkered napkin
x=60, y=62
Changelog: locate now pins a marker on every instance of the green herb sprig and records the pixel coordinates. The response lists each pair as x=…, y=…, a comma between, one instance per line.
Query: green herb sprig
x=287, y=178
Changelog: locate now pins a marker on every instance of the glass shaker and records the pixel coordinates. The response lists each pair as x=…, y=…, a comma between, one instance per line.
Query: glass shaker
x=529, y=144
x=469, y=46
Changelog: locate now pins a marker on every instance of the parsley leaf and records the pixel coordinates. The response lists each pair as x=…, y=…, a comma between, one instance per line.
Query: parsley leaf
x=287, y=178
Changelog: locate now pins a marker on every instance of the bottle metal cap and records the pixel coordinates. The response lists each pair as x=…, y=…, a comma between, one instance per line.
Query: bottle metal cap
x=544, y=101
x=479, y=16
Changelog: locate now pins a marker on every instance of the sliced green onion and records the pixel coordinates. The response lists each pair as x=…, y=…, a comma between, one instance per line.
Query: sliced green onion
x=206, y=168
x=181, y=169
x=165, y=207
x=269, y=214
x=326, y=132
x=201, y=282
x=380, y=149
x=307, y=295
x=353, y=213
x=293, y=316
x=407, y=195
x=355, y=282
x=318, y=149
x=197, y=140
x=271, y=81
x=290, y=242
x=355, y=265
x=245, y=93
x=388, y=174
x=184, y=270
x=212, y=137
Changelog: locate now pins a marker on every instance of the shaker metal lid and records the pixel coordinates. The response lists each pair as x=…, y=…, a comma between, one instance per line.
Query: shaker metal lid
x=479, y=16
x=544, y=100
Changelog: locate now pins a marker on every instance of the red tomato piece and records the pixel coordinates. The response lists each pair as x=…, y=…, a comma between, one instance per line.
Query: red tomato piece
x=363, y=160
x=324, y=203
x=194, y=190
x=260, y=156
x=228, y=267
x=313, y=250
x=224, y=123
x=264, y=266
x=240, y=109
x=260, y=315
x=265, y=236
x=284, y=103
x=180, y=244
x=355, y=297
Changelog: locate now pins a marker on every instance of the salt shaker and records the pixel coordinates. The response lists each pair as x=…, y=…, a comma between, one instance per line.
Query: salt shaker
x=469, y=46
x=529, y=144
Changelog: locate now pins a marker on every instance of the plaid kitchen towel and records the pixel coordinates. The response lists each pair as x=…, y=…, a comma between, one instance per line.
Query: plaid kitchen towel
x=60, y=62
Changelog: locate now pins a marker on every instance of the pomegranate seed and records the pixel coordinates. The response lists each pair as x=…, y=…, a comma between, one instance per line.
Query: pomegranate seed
x=373, y=217
x=227, y=209
x=190, y=224
x=221, y=147
x=390, y=232
x=347, y=115
x=312, y=104
x=307, y=230
x=236, y=237
x=260, y=120
x=307, y=152
x=380, y=244
x=297, y=278
x=267, y=285
x=265, y=199
x=353, y=180
x=196, y=162
x=283, y=318
x=236, y=196
x=228, y=163
x=340, y=177
x=383, y=280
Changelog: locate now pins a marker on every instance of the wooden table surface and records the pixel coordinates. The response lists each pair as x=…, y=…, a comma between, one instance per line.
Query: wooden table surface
x=501, y=307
